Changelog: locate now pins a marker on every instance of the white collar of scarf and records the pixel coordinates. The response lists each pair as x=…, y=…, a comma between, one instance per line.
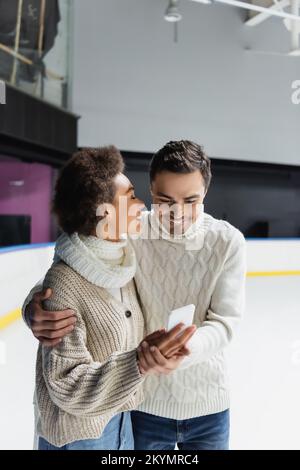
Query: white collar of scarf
x=192, y=238
x=103, y=263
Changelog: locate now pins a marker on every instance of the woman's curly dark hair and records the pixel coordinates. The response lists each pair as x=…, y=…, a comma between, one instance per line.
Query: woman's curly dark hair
x=85, y=182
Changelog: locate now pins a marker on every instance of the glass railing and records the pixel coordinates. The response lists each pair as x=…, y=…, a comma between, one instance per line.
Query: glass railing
x=35, y=39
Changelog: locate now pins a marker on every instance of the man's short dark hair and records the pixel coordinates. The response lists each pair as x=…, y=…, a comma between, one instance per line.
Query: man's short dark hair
x=182, y=156
x=85, y=182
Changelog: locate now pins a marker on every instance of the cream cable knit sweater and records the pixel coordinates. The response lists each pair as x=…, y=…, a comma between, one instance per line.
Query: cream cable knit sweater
x=206, y=267
x=93, y=373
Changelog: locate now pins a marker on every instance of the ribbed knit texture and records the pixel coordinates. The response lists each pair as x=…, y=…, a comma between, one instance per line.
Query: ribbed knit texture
x=207, y=269
x=92, y=374
x=104, y=263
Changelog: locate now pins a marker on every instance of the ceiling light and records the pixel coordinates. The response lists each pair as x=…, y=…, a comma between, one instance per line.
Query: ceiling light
x=172, y=13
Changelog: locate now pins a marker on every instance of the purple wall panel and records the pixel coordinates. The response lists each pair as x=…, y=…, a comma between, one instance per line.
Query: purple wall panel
x=25, y=188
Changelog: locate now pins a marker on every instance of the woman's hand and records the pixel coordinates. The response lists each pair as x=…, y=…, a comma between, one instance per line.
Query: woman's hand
x=162, y=352
x=171, y=342
x=151, y=361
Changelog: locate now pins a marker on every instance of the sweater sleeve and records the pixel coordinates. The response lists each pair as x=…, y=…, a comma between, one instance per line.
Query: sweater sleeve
x=37, y=288
x=76, y=383
x=226, y=307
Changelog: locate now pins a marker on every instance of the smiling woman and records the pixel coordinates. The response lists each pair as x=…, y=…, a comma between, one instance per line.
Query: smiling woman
x=91, y=379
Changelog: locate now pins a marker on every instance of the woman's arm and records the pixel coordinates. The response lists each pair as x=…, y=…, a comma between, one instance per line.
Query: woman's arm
x=81, y=386
x=76, y=383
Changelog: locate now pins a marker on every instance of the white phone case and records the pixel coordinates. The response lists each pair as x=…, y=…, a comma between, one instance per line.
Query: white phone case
x=183, y=315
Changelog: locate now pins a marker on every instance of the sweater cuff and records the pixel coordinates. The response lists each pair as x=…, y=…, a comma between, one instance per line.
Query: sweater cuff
x=129, y=363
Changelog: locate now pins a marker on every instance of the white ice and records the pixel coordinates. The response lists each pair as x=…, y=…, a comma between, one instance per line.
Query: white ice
x=264, y=364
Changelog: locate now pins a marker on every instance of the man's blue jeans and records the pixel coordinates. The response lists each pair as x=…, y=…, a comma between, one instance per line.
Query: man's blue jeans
x=117, y=435
x=209, y=432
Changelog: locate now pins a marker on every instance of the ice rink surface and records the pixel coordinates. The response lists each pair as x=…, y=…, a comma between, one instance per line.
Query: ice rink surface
x=264, y=362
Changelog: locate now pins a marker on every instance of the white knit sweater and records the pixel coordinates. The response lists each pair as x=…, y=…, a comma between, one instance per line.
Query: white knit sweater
x=206, y=268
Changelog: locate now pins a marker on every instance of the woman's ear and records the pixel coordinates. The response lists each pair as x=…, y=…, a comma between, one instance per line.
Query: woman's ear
x=103, y=210
x=107, y=226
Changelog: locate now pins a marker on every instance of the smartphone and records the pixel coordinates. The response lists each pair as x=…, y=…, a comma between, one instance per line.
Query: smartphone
x=183, y=315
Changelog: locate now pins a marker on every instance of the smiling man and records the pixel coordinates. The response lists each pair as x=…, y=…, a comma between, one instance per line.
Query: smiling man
x=188, y=258
x=192, y=258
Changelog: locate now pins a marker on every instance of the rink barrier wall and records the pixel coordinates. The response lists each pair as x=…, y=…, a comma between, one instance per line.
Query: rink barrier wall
x=267, y=257
x=21, y=267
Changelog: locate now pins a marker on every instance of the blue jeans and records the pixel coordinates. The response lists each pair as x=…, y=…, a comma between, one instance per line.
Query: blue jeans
x=117, y=435
x=209, y=432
